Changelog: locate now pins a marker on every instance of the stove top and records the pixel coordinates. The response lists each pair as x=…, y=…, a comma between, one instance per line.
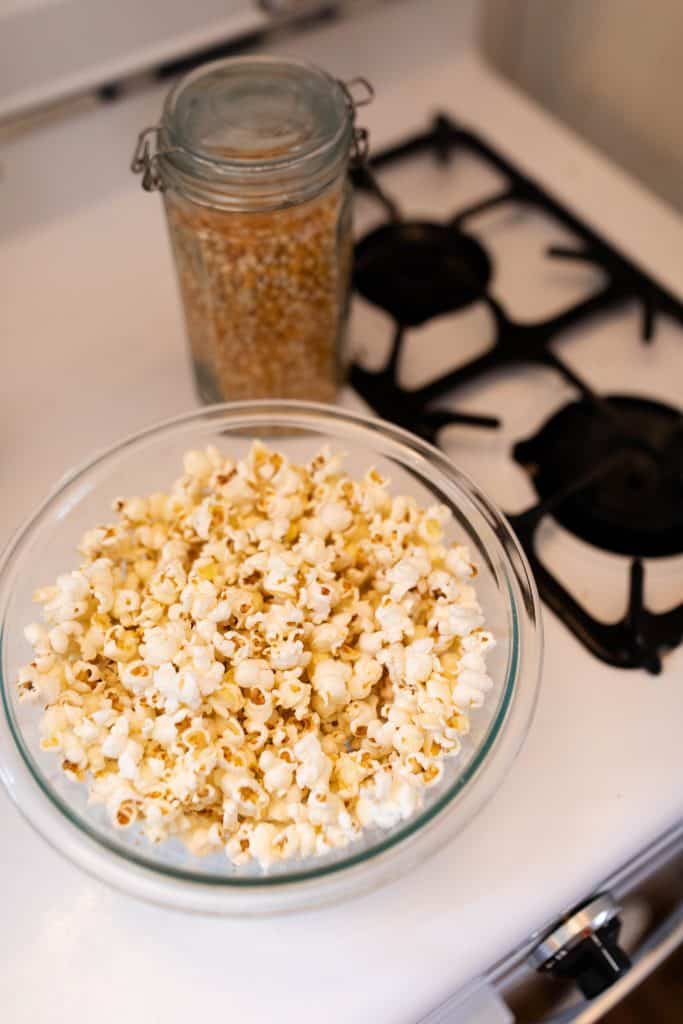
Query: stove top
x=603, y=464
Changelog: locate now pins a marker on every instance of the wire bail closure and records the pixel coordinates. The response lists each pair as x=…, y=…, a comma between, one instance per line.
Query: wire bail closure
x=145, y=162
x=358, y=92
x=360, y=141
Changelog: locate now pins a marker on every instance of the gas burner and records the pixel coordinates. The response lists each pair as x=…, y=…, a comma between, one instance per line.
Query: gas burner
x=609, y=469
x=631, y=452
x=416, y=270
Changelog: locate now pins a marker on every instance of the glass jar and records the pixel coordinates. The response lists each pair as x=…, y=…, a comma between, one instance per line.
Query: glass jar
x=252, y=158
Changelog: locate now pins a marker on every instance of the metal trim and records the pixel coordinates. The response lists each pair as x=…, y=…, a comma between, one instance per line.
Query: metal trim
x=579, y=925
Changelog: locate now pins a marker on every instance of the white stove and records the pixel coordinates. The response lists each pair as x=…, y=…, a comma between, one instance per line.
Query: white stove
x=94, y=349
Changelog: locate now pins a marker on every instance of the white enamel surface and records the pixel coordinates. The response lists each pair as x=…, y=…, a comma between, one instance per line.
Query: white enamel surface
x=93, y=349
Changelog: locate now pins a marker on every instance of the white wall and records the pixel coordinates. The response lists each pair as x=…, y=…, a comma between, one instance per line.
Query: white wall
x=50, y=49
x=613, y=69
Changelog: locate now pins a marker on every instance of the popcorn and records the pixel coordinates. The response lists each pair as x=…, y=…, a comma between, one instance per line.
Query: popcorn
x=335, y=517
x=280, y=577
x=288, y=654
x=115, y=743
x=457, y=562
x=176, y=687
x=126, y=603
x=277, y=773
x=318, y=598
x=159, y=645
x=408, y=738
x=329, y=637
x=451, y=620
x=262, y=662
x=394, y=622
x=293, y=694
x=129, y=759
x=136, y=676
x=278, y=620
x=197, y=464
x=263, y=843
x=314, y=767
x=403, y=576
x=164, y=730
x=366, y=672
x=330, y=680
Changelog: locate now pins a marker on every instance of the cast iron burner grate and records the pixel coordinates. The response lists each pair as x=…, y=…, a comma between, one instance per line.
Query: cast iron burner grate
x=418, y=270
x=621, y=487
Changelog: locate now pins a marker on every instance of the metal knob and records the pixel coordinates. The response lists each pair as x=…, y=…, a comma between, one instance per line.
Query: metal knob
x=584, y=947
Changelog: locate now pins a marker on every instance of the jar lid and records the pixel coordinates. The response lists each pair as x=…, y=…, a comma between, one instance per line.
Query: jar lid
x=250, y=132
x=255, y=111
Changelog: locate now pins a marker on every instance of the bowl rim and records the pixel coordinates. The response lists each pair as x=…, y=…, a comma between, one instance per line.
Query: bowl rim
x=309, y=417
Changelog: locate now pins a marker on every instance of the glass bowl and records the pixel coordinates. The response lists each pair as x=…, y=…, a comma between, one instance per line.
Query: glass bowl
x=167, y=873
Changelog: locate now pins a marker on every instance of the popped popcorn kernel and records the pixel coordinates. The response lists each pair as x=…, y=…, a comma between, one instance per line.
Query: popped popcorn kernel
x=262, y=662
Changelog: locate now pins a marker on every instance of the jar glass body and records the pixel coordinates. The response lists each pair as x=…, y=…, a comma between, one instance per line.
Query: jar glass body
x=260, y=226
x=265, y=295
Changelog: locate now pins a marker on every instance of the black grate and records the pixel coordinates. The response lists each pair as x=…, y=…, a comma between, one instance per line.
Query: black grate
x=621, y=486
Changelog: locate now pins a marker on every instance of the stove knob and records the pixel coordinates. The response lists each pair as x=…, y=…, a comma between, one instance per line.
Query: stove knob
x=584, y=947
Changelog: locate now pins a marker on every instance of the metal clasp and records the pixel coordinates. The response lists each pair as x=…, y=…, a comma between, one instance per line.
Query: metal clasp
x=360, y=141
x=362, y=100
x=359, y=92
x=145, y=161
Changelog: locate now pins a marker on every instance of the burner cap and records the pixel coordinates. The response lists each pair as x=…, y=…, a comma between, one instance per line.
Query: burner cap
x=416, y=270
x=636, y=506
